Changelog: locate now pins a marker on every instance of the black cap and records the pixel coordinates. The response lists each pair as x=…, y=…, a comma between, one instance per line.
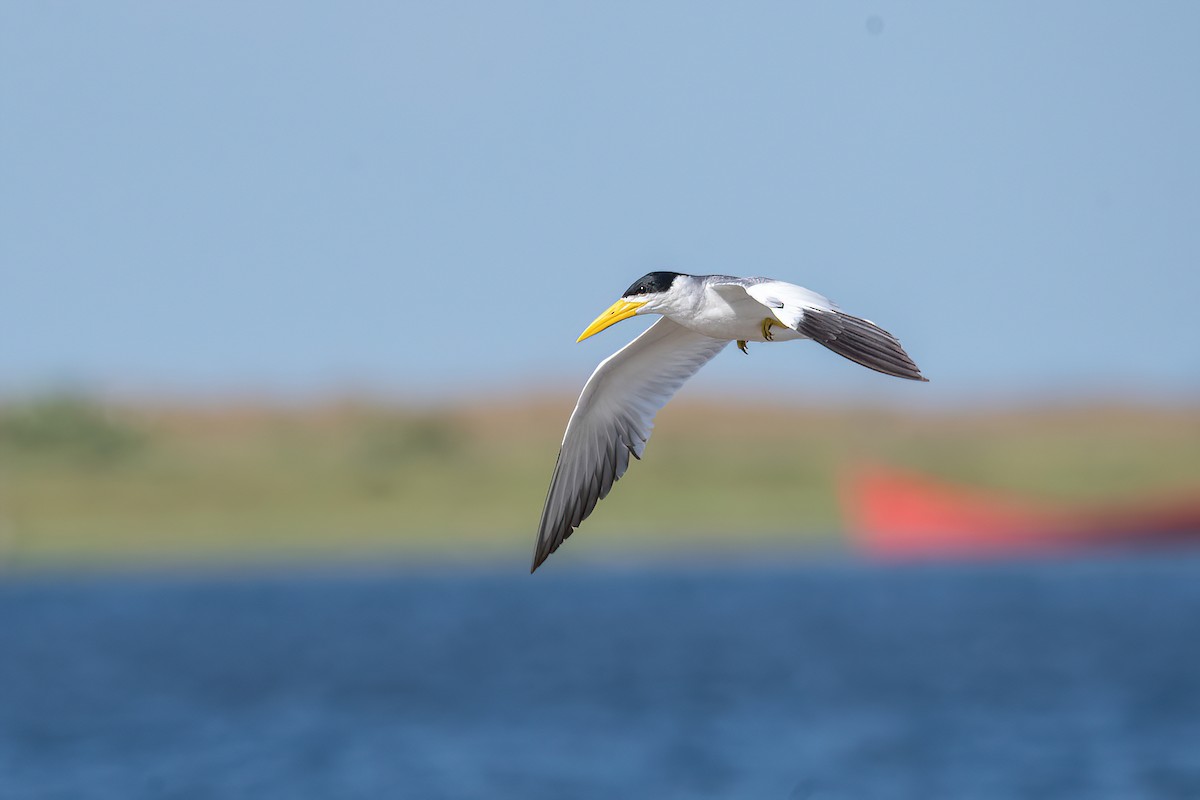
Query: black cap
x=651, y=283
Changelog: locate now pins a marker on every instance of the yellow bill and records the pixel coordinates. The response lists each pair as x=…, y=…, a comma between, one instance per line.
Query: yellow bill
x=622, y=309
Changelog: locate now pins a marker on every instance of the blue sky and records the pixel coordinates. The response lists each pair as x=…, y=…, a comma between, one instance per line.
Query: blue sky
x=428, y=199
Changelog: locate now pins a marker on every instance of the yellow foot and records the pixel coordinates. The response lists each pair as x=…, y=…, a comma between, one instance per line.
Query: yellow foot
x=766, y=329
x=742, y=346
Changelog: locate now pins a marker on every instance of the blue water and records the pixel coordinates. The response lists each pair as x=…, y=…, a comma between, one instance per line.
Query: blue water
x=1064, y=679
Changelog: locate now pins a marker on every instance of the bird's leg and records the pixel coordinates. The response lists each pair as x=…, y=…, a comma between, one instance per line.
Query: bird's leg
x=741, y=343
x=766, y=328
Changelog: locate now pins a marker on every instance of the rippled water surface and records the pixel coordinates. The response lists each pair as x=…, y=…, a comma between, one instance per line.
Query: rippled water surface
x=1034, y=680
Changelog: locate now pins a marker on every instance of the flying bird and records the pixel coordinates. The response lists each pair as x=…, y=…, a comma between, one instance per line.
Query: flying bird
x=701, y=314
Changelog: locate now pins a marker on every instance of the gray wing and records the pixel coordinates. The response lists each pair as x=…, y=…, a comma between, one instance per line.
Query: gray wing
x=860, y=341
x=612, y=421
x=818, y=318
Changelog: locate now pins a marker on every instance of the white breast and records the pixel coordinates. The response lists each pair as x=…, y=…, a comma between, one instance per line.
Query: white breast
x=731, y=313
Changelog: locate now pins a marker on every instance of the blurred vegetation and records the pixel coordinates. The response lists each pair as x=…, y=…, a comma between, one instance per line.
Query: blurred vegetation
x=82, y=482
x=66, y=429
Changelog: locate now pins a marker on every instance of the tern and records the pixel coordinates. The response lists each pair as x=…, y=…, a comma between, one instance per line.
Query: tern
x=701, y=314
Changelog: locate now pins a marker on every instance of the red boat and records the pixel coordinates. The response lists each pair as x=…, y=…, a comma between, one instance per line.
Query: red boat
x=897, y=514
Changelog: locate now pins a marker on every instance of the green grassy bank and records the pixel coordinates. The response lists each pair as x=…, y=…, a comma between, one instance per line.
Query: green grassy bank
x=82, y=483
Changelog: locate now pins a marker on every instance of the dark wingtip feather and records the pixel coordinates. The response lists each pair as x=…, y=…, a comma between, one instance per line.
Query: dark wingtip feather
x=543, y=550
x=861, y=341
